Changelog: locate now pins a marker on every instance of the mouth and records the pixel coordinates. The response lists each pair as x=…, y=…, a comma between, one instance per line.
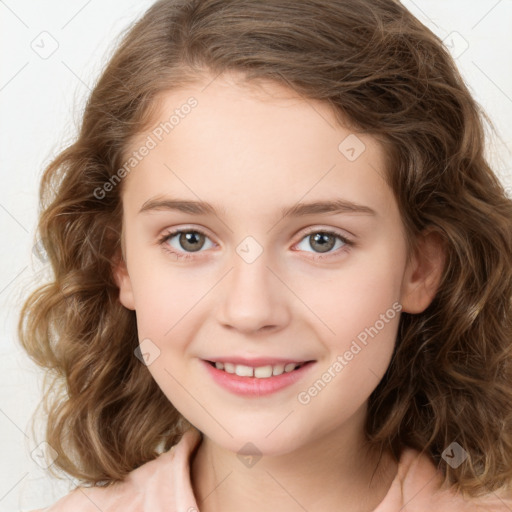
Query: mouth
x=259, y=372
x=250, y=381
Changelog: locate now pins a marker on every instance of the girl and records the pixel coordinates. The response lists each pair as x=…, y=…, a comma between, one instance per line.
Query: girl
x=339, y=339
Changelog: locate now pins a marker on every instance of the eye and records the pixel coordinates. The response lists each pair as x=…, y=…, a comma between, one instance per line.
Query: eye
x=324, y=241
x=187, y=241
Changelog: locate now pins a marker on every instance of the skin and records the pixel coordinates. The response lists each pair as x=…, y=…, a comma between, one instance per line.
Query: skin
x=251, y=150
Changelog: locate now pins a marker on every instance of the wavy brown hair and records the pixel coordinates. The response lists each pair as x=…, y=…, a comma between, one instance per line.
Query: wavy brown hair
x=389, y=76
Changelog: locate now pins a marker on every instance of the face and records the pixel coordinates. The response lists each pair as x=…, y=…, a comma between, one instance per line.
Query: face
x=239, y=281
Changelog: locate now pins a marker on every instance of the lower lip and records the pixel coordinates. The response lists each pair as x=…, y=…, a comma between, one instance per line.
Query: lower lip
x=252, y=386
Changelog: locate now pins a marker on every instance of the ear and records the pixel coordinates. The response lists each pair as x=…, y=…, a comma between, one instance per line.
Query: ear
x=423, y=273
x=123, y=281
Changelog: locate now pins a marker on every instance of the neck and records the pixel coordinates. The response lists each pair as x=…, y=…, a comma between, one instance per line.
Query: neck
x=335, y=470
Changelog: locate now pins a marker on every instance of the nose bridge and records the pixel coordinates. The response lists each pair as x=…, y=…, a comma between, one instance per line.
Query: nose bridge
x=254, y=298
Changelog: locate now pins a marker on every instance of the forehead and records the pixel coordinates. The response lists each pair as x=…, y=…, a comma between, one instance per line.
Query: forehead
x=252, y=144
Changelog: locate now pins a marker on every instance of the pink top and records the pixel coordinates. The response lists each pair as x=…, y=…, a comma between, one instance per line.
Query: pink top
x=164, y=485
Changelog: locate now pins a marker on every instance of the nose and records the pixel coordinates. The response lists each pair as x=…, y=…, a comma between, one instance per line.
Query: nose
x=254, y=297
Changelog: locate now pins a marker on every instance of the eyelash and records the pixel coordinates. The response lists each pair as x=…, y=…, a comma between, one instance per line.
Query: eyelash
x=167, y=236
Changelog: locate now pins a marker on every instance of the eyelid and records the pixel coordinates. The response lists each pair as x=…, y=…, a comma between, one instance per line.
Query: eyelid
x=323, y=229
x=304, y=232
x=186, y=228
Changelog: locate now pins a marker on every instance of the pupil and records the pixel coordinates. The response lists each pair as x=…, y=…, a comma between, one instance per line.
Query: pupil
x=189, y=240
x=323, y=240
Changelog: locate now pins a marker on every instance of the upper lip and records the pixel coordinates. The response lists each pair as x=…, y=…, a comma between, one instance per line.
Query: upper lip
x=256, y=361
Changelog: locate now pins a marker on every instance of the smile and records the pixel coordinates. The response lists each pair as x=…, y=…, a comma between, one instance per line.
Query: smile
x=256, y=381
x=261, y=372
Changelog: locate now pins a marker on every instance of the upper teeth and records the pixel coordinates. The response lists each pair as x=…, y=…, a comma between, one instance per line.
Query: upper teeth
x=262, y=372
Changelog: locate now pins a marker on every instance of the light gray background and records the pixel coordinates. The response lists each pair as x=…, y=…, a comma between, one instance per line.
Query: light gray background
x=41, y=98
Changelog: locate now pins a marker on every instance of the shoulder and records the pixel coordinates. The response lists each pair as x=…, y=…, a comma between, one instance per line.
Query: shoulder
x=418, y=487
x=163, y=483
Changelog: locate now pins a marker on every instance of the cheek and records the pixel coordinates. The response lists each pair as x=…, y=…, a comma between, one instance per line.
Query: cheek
x=354, y=296
x=165, y=297
x=364, y=323
x=360, y=313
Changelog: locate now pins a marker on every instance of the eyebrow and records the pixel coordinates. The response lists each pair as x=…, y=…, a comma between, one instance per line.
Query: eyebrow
x=298, y=210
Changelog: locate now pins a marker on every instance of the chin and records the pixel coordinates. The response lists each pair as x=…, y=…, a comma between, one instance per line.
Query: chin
x=255, y=440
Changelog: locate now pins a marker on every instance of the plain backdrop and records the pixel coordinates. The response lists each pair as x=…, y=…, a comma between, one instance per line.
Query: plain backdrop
x=52, y=53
